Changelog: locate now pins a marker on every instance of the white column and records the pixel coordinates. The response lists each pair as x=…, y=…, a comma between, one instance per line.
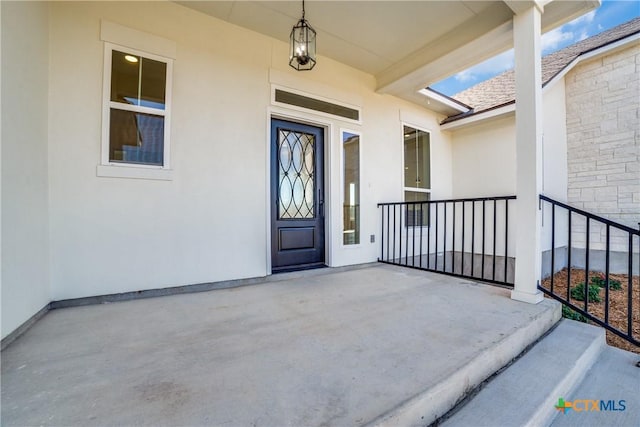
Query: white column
x=526, y=37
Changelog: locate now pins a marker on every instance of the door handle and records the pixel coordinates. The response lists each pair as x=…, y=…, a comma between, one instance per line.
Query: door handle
x=320, y=203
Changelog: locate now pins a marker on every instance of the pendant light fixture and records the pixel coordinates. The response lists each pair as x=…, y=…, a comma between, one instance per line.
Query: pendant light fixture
x=302, y=45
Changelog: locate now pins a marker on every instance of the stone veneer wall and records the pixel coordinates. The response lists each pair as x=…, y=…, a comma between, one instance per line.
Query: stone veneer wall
x=603, y=139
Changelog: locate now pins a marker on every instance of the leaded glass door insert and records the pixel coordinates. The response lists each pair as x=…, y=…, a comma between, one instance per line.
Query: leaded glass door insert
x=297, y=196
x=296, y=174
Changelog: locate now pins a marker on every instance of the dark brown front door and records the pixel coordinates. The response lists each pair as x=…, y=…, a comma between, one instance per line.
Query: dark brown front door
x=297, y=196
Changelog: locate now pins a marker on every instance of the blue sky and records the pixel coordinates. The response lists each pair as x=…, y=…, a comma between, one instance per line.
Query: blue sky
x=608, y=15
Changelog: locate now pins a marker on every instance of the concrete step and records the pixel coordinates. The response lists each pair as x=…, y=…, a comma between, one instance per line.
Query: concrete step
x=439, y=397
x=525, y=394
x=613, y=377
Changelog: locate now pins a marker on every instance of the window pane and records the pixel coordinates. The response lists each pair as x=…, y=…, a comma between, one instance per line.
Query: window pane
x=316, y=104
x=351, y=202
x=416, y=196
x=138, y=81
x=417, y=214
x=125, y=73
x=154, y=78
x=296, y=174
x=136, y=138
x=416, y=158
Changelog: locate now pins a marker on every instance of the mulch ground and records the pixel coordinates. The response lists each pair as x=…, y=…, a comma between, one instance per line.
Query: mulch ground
x=618, y=303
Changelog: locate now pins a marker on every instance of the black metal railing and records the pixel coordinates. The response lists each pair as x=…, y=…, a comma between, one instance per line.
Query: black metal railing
x=459, y=237
x=591, y=254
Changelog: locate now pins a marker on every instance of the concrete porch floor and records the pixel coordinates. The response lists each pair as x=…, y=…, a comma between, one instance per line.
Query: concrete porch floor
x=381, y=344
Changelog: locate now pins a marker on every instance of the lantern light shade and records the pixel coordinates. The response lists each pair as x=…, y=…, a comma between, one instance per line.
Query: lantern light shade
x=302, y=45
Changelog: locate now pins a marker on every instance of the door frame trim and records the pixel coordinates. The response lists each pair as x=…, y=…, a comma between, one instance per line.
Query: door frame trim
x=275, y=112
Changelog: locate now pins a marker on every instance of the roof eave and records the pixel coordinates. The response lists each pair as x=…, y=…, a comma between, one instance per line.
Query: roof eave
x=472, y=118
x=464, y=120
x=596, y=51
x=444, y=102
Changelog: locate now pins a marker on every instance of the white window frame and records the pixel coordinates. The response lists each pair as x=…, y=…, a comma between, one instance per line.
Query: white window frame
x=107, y=168
x=342, y=178
x=415, y=189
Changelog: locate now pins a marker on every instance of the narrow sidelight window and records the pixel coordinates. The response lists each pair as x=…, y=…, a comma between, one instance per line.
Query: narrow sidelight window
x=351, y=190
x=417, y=174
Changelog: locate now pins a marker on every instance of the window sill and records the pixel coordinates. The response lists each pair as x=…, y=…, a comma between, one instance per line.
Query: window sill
x=353, y=246
x=132, y=172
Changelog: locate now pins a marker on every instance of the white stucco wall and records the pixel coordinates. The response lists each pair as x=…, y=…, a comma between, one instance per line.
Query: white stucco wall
x=554, y=177
x=554, y=148
x=25, y=231
x=113, y=235
x=484, y=157
x=209, y=223
x=484, y=154
x=484, y=166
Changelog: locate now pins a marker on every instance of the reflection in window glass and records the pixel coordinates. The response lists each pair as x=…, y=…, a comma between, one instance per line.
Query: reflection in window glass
x=416, y=158
x=316, y=104
x=417, y=214
x=417, y=175
x=136, y=137
x=137, y=108
x=125, y=73
x=152, y=86
x=351, y=202
x=136, y=80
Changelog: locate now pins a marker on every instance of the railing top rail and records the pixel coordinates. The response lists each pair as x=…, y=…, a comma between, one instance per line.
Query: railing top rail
x=591, y=216
x=474, y=199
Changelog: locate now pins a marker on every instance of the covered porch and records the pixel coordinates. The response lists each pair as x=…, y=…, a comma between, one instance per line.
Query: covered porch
x=94, y=223
x=350, y=346
x=364, y=344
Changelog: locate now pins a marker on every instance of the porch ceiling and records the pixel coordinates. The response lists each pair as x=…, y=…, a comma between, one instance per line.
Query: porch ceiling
x=406, y=45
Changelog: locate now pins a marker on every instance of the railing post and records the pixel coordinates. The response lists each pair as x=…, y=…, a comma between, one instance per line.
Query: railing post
x=436, y=243
x=630, y=288
x=473, y=236
x=393, y=242
x=421, y=227
x=381, y=233
x=388, y=235
x=553, y=245
x=506, y=238
x=453, y=241
x=462, y=250
x=484, y=226
x=444, y=238
x=429, y=238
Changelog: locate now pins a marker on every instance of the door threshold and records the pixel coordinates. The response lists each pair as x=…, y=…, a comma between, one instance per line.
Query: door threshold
x=301, y=267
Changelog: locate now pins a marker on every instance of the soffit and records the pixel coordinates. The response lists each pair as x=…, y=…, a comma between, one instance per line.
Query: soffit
x=368, y=35
x=406, y=45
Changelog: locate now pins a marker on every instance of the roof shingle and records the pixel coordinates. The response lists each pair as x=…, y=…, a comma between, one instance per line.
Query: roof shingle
x=500, y=90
